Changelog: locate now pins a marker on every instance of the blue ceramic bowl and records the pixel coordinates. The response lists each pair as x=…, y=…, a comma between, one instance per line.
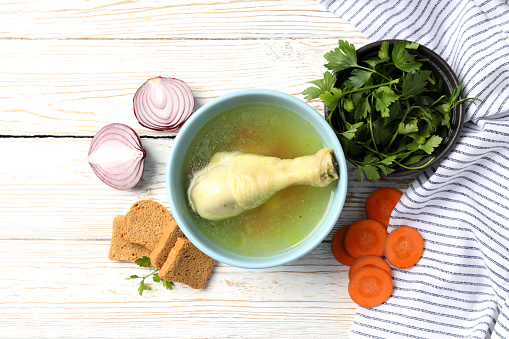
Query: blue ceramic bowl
x=177, y=194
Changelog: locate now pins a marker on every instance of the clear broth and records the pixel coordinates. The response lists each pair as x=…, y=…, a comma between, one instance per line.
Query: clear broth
x=292, y=214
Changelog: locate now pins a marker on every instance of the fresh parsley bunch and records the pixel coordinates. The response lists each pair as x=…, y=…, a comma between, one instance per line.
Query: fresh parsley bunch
x=144, y=262
x=390, y=112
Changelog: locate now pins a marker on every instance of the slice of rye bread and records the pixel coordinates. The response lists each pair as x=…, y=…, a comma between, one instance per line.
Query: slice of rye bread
x=121, y=249
x=166, y=242
x=186, y=264
x=145, y=223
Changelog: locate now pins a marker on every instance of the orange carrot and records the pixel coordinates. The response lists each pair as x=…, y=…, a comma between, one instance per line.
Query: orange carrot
x=371, y=260
x=365, y=237
x=403, y=247
x=338, y=247
x=380, y=203
x=370, y=286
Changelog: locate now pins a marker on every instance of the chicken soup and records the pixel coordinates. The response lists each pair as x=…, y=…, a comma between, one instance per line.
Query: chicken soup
x=261, y=139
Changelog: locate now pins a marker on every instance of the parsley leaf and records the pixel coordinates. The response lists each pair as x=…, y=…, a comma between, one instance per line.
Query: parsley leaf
x=359, y=78
x=408, y=128
x=384, y=97
x=373, y=62
x=414, y=84
x=145, y=262
x=362, y=109
x=370, y=171
x=388, y=160
x=404, y=60
x=383, y=53
x=342, y=57
x=429, y=146
x=143, y=287
x=351, y=130
x=311, y=93
x=168, y=285
x=331, y=99
x=322, y=85
x=414, y=159
x=371, y=165
x=350, y=147
x=412, y=45
x=381, y=135
x=348, y=105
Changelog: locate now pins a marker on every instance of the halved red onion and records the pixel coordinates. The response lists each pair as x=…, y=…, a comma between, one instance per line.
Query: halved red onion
x=163, y=104
x=116, y=156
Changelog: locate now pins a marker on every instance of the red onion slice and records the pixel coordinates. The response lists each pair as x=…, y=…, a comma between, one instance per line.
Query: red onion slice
x=163, y=104
x=116, y=156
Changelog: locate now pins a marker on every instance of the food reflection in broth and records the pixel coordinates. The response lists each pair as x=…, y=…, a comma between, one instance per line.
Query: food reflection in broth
x=289, y=216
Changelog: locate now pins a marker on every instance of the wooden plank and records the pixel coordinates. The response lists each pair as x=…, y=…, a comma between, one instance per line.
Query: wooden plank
x=50, y=192
x=76, y=87
x=60, y=287
x=194, y=320
x=176, y=19
x=55, y=266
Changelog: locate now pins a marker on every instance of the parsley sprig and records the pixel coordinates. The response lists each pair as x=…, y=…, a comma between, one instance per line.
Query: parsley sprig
x=144, y=262
x=390, y=112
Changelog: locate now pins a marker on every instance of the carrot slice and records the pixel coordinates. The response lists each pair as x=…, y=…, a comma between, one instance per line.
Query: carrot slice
x=371, y=260
x=380, y=203
x=370, y=286
x=365, y=237
x=338, y=247
x=403, y=247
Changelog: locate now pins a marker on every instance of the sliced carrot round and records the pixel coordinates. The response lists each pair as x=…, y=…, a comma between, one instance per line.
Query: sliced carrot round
x=369, y=260
x=338, y=247
x=365, y=237
x=380, y=204
x=370, y=286
x=403, y=247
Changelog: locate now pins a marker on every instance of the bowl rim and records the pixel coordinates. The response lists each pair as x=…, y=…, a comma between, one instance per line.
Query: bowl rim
x=312, y=241
x=451, y=81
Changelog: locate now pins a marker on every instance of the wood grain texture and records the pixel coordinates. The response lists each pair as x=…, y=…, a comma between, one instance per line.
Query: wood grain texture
x=75, y=87
x=208, y=19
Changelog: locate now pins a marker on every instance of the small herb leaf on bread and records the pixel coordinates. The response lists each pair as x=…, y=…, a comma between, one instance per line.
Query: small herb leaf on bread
x=167, y=284
x=143, y=261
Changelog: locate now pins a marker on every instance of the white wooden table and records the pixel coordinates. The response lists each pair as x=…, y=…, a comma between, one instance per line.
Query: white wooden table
x=67, y=68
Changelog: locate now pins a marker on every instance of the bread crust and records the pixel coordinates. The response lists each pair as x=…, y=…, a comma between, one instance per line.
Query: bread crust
x=186, y=264
x=160, y=253
x=121, y=249
x=148, y=229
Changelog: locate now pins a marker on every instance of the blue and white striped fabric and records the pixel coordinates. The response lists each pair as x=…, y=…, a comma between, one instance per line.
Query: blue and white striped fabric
x=460, y=287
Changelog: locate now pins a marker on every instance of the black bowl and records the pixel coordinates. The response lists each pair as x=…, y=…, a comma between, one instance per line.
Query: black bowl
x=440, y=69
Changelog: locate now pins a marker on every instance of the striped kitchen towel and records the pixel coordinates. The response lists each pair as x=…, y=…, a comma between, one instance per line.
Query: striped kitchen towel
x=460, y=287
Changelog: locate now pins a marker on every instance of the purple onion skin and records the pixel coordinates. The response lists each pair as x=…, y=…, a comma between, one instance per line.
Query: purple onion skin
x=163, y=104
x=117, y=156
